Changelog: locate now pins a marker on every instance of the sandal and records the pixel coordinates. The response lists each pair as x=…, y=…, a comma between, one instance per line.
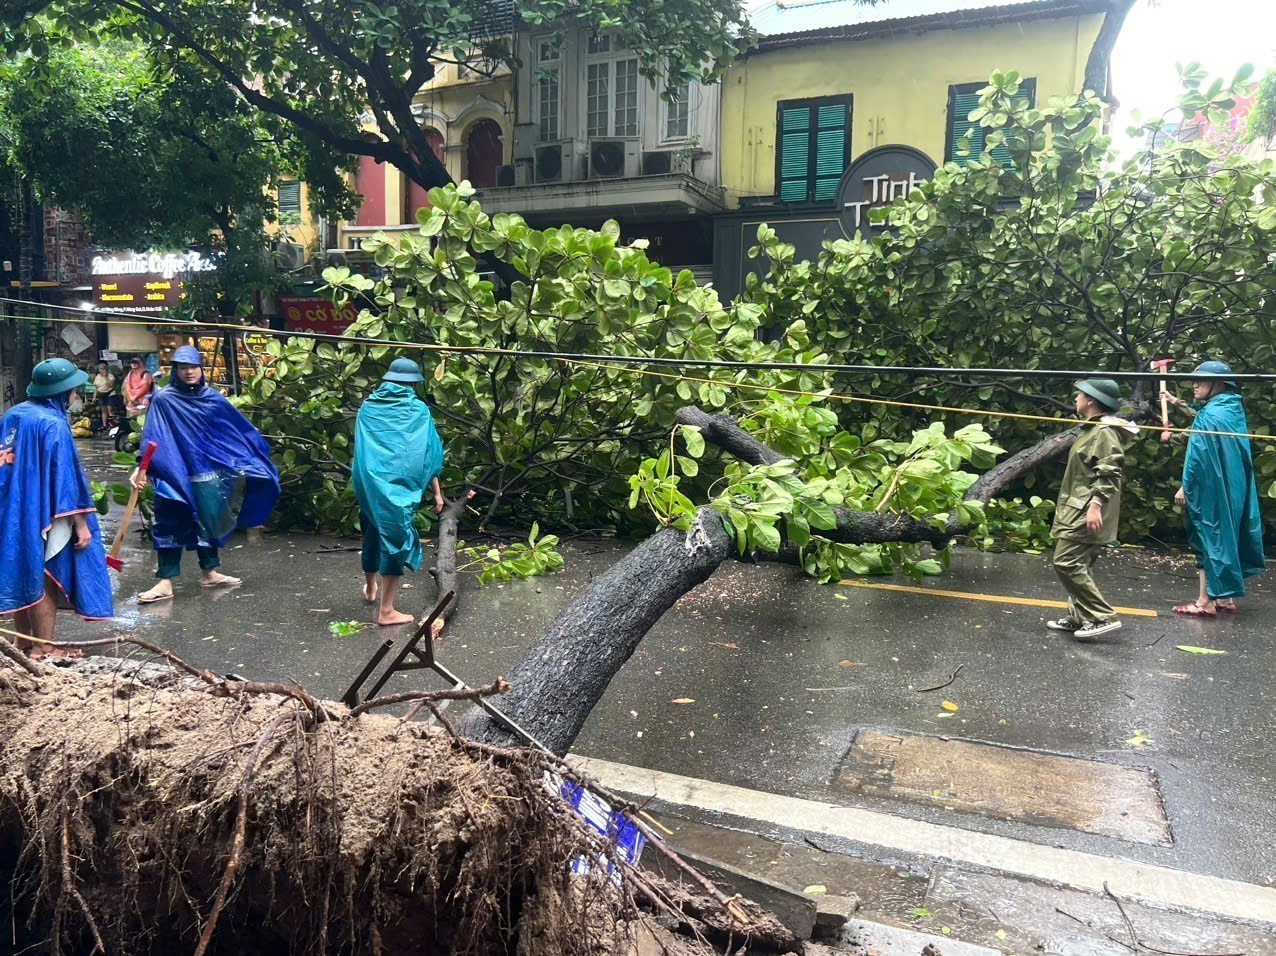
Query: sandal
x=1230, y=608
x=149, y=597
x=1194, y=610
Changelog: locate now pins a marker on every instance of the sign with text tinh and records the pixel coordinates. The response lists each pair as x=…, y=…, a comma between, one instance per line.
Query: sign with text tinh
x=877, y=179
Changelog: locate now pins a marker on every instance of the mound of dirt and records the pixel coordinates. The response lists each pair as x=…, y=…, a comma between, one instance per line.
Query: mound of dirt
x=147, y=814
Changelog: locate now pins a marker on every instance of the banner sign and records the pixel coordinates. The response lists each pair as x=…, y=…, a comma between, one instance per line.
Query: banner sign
x=312, y=313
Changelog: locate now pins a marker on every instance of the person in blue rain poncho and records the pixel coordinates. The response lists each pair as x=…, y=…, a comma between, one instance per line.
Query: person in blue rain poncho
x=1219, y=494
x=49, y=537
x=397, y=456
x=212, y=474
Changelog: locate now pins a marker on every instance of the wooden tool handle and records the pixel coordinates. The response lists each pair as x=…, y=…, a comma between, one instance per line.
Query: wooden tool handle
x=1165, y=403
x=127, y=518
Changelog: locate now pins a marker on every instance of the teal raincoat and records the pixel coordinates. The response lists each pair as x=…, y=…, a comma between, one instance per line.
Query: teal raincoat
x=1223, y=525
x=397, y=452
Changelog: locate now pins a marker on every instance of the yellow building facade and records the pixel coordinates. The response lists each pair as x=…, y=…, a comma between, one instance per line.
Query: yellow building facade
x=899, y=78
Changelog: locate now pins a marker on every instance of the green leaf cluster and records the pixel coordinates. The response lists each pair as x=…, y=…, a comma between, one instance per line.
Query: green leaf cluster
x=518, y=561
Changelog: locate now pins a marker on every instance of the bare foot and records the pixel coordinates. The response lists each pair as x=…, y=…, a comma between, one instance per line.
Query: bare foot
x=41, y=652
x=161, y=592
x=370, y=594
x=215, y=579
x=394, y=618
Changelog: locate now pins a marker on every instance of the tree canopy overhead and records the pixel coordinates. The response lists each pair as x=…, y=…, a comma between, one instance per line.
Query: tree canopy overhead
x=326, y=68
x=155, y=157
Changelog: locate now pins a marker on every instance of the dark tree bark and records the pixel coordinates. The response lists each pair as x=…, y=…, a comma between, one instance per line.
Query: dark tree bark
x=568, y=669
x=566, y=672
x=1097, y=63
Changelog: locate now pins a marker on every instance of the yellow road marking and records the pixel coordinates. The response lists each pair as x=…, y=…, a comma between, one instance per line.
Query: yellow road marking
x=995, y=598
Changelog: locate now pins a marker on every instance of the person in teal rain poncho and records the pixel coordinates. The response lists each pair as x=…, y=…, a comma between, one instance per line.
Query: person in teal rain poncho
x=1219, y=494
x=397, y=456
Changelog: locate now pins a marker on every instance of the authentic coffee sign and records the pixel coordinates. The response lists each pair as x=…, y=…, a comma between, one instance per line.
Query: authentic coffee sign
x=149, y=282
x=877, y=179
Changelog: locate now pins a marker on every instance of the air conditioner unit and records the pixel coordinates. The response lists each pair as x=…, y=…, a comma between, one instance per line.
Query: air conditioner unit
x=505, y=175
x=524, y=141
x=558, y=162
x=290, y=256
x=613, y=158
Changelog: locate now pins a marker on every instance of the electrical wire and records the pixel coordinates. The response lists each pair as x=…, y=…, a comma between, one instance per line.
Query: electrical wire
x=128, y=319
x=605, y=362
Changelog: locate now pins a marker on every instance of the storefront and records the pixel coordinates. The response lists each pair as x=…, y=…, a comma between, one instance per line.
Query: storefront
x=870, y=183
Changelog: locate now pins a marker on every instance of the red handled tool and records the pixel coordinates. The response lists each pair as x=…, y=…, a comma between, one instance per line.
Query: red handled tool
x=113, y=558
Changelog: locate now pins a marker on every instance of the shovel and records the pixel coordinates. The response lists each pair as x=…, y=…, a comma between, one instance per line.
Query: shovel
x=113, y=558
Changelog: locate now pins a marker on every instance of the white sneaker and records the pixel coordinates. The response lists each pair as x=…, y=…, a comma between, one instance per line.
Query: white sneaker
x=1063, y=624
x=1093, y=629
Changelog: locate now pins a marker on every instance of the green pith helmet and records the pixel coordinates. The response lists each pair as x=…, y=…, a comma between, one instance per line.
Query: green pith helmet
x=55, y=376
x=403, y=370
x=1103, y=390
x=1215, y=369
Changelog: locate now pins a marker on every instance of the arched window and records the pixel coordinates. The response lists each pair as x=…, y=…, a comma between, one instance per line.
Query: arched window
x=484, y=151
x=415, y=195
x=369, y=182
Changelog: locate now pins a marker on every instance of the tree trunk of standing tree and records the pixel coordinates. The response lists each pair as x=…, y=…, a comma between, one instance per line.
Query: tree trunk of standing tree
x=1097, y=64
x=566, y=672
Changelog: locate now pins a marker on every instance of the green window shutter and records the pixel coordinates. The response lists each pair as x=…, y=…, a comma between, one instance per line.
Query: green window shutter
x=963, y=103
x=830, y=149
x=814, y=139
x=965, y=99
x=795, y=153
x=290, y=196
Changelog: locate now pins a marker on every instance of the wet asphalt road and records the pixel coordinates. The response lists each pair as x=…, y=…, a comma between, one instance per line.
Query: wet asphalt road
x=782, y=673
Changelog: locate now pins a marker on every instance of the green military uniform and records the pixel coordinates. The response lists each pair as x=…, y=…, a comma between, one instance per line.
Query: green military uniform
x=1093, y=474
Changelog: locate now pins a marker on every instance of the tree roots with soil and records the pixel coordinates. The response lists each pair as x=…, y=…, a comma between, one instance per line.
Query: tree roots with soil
x=146, y=811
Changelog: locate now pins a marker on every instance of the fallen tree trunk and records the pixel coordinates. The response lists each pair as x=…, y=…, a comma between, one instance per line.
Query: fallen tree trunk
x=142, y=815
x=568, y=669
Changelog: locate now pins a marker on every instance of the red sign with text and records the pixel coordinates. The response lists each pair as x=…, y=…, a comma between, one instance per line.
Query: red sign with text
x=307, y=313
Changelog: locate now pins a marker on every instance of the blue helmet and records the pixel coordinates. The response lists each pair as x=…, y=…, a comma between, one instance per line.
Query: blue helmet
x=1215, y=369
x=403, y=370
x=188, y=355
x=55, y=376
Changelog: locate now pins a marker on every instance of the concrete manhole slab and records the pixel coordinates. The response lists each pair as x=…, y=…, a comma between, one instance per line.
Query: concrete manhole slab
x=1007, y=784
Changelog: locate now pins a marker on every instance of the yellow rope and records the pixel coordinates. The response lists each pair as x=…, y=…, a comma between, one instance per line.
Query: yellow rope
x=682, y=377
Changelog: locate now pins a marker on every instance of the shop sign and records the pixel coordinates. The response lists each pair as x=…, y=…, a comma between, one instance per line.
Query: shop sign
x=149, y=282
x=307, y=313
x=877, y=179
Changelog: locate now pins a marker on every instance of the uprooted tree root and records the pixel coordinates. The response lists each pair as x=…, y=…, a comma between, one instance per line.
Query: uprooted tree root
x=163, y=815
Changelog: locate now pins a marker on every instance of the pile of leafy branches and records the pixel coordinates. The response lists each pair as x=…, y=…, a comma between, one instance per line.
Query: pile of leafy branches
x=1066, y=258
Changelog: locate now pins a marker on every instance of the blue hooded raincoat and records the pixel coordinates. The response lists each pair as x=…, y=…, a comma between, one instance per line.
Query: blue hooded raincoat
x=41, y=481
x=1223, y=525
x=397, y=452
x=211, y=469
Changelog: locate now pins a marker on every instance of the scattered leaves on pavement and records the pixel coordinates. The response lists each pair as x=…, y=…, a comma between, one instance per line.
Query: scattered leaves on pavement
x=727, y=644
x=816, y=888
x=1139, y=739
x=922, y=912
x=346, y=628
x=949, y=706
x=1193, y=649
x=684, y=700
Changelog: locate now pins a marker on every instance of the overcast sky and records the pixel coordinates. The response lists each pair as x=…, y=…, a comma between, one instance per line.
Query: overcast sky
x=1219, y=34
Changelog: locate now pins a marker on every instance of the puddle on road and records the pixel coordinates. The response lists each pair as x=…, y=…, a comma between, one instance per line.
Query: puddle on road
x=1007, y=784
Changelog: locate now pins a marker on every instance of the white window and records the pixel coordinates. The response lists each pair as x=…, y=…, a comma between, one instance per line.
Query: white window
x=678, y=112
x=611, y=91
x=548, y=97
